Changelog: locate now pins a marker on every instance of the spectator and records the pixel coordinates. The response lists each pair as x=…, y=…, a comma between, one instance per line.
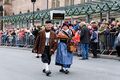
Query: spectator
x=117, y=43
x=85, y=40
x=102, y=37
x=94, y=41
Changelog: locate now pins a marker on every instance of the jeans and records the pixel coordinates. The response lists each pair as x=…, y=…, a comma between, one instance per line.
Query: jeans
x=79, y=49
x=85, y=50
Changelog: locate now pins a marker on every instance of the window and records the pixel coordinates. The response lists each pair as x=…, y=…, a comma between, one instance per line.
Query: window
x=89, y=0
x=38, y=9
x=82, y=1
x=69, y=2
x=66, y=2
x=28, y=11
x=20, y=12
x=55, y=3
x=8, y=1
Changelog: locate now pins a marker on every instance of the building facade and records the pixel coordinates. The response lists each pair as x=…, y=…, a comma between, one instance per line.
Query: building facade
x=7, y=7
x=5, y=10
x=88, y=11
x=25, y=6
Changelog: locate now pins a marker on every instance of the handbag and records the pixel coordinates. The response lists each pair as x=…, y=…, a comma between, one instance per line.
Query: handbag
x=71, y=47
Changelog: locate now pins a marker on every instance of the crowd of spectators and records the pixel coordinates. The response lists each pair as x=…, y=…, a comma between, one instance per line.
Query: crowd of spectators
x=104, y=34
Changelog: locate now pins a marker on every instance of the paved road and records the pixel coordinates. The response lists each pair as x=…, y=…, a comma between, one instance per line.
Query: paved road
x=22, y=65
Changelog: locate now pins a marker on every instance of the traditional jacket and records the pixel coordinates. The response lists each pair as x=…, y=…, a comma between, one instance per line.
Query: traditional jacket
x=41, y=39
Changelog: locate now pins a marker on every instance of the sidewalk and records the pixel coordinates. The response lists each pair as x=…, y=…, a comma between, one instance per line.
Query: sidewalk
x=101, y=56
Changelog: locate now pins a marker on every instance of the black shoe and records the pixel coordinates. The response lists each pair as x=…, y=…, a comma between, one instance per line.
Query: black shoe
x=61, y=70
x=37, y=56
x=44, y=71
x=33, y=51
x=48, y=73
x=66, y=71
x=87, y=58
x=98, y=56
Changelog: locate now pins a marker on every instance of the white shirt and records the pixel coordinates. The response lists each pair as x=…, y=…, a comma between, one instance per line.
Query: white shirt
x=47, y=38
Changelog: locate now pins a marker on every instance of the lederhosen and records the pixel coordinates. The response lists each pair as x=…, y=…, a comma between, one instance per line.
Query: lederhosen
x=46, y=57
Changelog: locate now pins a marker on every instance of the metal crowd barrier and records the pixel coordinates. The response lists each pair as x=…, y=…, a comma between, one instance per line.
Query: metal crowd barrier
x=26, y=41
x=105, y=46
x=106, y=43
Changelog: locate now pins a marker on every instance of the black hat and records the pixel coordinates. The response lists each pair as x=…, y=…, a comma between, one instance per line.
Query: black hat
x=70, y=24
x=64, y=24
x=49, y=21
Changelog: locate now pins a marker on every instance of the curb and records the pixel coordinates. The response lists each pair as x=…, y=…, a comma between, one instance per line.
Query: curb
x=20, y=48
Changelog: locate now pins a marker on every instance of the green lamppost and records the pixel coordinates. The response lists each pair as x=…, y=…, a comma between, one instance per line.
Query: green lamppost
x=33, y=1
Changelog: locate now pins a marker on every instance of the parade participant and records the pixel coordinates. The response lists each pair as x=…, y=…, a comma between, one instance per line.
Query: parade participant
x=46, y=43
x=64, y=57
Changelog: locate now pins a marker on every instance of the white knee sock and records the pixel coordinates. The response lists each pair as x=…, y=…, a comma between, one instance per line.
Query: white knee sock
x=61, y=67
x=46, y=67
x=38, y=55
x=65, y=68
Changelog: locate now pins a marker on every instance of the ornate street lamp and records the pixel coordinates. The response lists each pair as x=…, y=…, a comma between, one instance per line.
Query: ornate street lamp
x=47, y=4
x=1, y=14
x=33, y=1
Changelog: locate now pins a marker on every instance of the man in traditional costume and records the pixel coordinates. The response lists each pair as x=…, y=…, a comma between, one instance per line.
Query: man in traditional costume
x=46, y=43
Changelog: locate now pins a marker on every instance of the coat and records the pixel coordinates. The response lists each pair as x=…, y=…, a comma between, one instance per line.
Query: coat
x=85, y=35
x=39, y=45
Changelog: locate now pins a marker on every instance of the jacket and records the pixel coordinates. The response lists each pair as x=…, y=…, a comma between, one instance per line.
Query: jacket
x=40, y=42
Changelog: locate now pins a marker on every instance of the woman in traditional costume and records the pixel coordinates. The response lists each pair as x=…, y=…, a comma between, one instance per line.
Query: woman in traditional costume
x=64, y=57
